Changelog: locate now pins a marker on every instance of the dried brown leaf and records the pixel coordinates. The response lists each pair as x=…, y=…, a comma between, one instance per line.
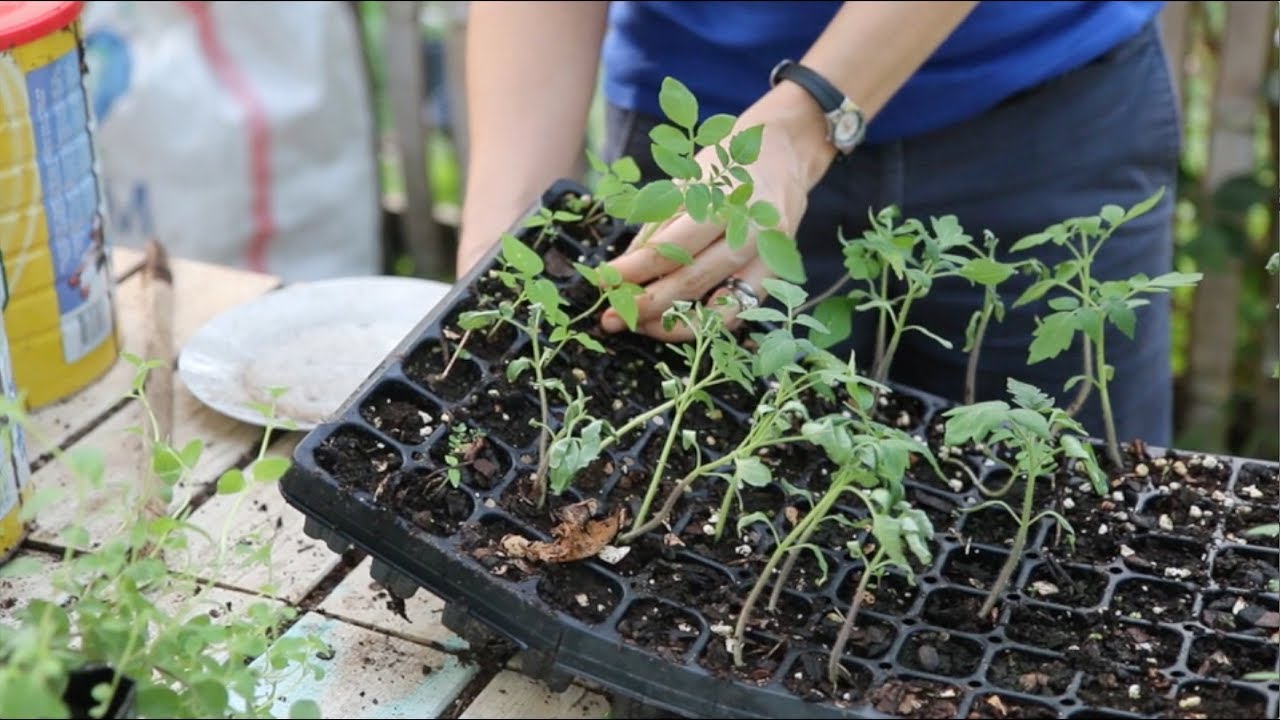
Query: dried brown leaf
x=576, y=537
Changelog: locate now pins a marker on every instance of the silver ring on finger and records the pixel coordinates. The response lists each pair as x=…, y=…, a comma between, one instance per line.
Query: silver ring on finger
x=742, y=293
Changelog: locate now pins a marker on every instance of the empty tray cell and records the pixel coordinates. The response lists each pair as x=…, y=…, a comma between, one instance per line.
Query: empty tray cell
x=1063, y=584
x=1227, y=658
x=938, y=652
x=956, y=609
x=1258, y=484
x=692, y=584
x=580, y=591
x=1128, y=690
x=1167, y=557
x=890, y=594
x=990, y=525
x=809, y=679
x=1030, y=672
x=1246, y=568
x=1219, y=700
x=974, y=566
x=506, y=414
x=1184, y=510
x=426, y=366
x=1000, y=707
x=1243, y=518
x=661, y=627
x=357, y=459
x=1244, y=613
x=1143, y=598
x=915, y=697
x=490, y=542
x=400, y=413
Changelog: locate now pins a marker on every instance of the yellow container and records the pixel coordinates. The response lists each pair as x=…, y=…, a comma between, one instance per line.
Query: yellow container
x=14, y=468
x=60, y=319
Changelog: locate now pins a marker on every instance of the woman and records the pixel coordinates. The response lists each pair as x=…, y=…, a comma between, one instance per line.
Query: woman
x=1009, y=115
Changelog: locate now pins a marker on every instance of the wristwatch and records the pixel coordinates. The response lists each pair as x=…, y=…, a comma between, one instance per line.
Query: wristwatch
x=846, y=125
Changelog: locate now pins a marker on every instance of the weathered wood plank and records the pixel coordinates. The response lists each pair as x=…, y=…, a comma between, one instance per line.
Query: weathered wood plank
x=361, y=600
x=298, y=563
x=16, y=592
x=101, y=509
x=373, y=675
x=512, y=695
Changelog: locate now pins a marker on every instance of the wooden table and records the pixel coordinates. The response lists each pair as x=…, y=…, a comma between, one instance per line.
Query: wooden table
x=377, y=669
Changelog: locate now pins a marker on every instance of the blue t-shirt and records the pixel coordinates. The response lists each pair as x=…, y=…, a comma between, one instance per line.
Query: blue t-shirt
x=723, y=51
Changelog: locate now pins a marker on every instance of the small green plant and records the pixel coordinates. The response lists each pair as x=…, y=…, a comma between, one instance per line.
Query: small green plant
x=130, y=603
x=721, y=192
x=1041, y=438
x=463, y=442
x=538, y=311
x=987, y=271
x=895, y=266
x=1085, y=304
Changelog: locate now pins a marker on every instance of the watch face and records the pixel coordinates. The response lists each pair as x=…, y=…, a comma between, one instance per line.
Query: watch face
x=848, y=128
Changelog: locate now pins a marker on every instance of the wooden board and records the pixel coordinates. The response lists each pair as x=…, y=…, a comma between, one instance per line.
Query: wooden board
x=360, y=600
x=511, y=695
x=373, y=675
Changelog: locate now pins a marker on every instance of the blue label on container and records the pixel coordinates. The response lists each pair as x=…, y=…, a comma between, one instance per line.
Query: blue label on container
x=64, y=156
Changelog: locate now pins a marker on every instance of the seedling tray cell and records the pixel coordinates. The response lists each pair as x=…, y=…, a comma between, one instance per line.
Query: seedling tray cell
x=1162, y=607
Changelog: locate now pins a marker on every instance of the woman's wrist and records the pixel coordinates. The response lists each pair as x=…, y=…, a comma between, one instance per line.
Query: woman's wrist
x=788, y=110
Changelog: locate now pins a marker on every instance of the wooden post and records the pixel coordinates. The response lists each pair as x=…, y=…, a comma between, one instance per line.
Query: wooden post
x=406, y=87
x=1215, y=313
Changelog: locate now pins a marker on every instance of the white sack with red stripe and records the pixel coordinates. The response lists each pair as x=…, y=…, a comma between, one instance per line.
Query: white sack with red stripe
x=237, y=133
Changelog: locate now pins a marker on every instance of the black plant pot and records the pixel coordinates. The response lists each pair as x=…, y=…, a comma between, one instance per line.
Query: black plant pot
x=79, y=693
x=1141, y=604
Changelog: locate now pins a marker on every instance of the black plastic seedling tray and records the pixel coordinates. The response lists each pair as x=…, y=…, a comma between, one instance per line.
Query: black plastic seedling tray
x=1142, y=597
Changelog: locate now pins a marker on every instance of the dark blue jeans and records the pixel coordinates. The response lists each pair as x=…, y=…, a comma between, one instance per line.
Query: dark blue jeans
x=1106, y=133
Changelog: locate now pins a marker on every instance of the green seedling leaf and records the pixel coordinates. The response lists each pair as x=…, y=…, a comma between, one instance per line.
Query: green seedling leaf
x=675, y=165
x=518, y=366
x=231, y=482
x=745, y=146
x=974, y=422
x=777, y=351
x=1027, y=395
x=812, y=323
x=790, y=295
x=1268, y=530
x=86, y=463
x=269, y=469
x=735, y=234
x=671, y=139
x=751, y=471
x=985, y=271
x=610, y=276
x=1123, y=317
x=836, y=313
x=1031, y=241
x=39, y=500
x=1168, y=281
x=740, y=195
x=1052, y=336
x=623, y=302
x=22, y=566
x=1112, y=214
x=1076, y=450
x=588, y=273
x=655, y=202
x=764, y=213
x=714, y=129
x=1064, y=303
x=763, y=315
x=520, y=256
x=1031, y=421
x=677, y=103
x=305, y=710
x=780, y=254
x=626, y=169
x=697, y=202
x=1144, y=206
x=674, y=253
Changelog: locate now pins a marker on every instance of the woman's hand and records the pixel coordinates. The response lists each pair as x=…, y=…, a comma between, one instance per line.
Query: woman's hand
x=794, y=154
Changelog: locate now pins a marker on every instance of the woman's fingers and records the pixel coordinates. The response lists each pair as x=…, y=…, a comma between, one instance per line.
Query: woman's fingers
x=643, y=263
x=689, y=282
x=744, y=291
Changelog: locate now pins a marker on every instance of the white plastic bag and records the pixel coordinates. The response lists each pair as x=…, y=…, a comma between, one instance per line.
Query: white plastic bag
x=238, y=133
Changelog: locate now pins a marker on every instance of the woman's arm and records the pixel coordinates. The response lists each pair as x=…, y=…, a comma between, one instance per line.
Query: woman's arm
x=868, y=51
x=531, y=73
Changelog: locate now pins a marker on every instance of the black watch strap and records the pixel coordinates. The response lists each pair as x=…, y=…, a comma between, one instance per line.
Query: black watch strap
x=828, y=97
